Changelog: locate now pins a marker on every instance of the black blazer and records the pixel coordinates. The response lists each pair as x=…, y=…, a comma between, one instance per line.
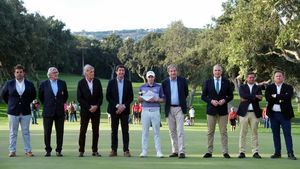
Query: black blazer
x=53, y=105
x=183, y=92
x=112, y=96
x=86, y=99
x=284, y=99
x=18, y=104
x=209, y=93
x=244, y=91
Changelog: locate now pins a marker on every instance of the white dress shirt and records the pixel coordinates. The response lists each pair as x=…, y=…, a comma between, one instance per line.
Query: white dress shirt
x=276, y=107
x=250, y=107
x=215, y=82
x=20, y=87
x=90, y=84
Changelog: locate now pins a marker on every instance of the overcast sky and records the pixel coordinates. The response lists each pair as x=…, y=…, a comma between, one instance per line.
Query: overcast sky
x=100, y=15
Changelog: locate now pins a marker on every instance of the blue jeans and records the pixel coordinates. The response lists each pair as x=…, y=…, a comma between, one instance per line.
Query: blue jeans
x=14, y=122
x=278, y=120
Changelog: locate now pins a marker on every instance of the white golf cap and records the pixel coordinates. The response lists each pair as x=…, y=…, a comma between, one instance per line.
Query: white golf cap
x=150, y=73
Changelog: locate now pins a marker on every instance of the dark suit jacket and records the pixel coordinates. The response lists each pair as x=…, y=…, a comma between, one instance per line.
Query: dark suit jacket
x=244, y=91
x=18, y=104
x=183, y=92
x=209, y=93
x=86, y=99
x=284, y=99
x=53, y=105
x=112, y=96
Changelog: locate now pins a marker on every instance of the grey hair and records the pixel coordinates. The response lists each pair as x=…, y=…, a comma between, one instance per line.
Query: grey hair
x=171, y=66
x=50, y=70
x=219, y=66
x=87, y=67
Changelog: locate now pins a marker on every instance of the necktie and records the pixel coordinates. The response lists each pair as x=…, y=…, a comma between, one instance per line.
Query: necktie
x=217, y=86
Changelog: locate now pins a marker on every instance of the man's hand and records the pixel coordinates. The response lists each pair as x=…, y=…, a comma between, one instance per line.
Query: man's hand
x=273, y=95
x=93, y=108
x=259, y=96
x=214, y=102
x=140, y=99
x=243, y=100
x=120, y=109
x=221, y=102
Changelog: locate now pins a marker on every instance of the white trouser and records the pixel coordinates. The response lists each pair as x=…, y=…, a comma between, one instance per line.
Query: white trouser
x=150, y=116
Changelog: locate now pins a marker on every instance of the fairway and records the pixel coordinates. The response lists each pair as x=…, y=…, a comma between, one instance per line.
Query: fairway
x=195, y=148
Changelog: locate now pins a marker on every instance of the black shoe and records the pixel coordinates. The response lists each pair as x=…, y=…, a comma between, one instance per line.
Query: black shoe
x=226, y=155
x=96, y=154
x=59, y=154
x=173, y=155
x=242, y=155
x=276, y=155
x=48, y=154
x=207, y=155
x=181, y=155
x=256, y=155
x=291, y=156
x=80, y=154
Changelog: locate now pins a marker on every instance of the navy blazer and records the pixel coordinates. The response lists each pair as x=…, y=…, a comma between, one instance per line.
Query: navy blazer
x=183, y=92
x=244, y=91
x=86, y=99
x=112, y=96
x=209, y=93
x=53, y=105
x=284, y=99
x=18, y=104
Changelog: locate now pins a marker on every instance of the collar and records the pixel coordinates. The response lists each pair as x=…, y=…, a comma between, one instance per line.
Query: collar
x=89, y=81
x=278, y=85
x=220, y=78
x=22, y=81
x=172, y=79
x=148, y=85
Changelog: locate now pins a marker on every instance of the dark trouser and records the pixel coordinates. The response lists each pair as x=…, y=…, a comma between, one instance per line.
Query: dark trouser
x=278, y=119
x=59, y=127
x=84, y=122
x=114, y=131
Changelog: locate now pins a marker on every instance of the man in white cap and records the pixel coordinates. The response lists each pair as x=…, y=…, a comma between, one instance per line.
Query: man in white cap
x=151, y=96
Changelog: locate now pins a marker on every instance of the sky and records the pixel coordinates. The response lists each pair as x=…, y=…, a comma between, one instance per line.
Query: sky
x=103, y=15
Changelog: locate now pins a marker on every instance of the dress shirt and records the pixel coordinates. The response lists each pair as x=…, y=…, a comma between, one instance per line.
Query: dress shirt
x=276, y=107
x=90, y=84
x=120, y=89
x=218, y=80
x=54, y=86
x=20, y=86
x=174, y=91
x=250, y=107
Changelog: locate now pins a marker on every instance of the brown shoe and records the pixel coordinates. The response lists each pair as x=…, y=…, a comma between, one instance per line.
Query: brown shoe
x=127, y=154
x=29, y=154
x=113, y=153
x=12, y=154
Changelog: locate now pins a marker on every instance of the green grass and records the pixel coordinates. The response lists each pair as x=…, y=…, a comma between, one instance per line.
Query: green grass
x=195, y=148
x=196, y=139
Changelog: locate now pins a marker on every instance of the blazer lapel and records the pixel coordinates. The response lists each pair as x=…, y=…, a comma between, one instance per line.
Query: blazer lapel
x=50, y=88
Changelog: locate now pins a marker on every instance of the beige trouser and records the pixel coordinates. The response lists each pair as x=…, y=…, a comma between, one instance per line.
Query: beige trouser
x=249, y=120
x=211, y=125
x=176, y=122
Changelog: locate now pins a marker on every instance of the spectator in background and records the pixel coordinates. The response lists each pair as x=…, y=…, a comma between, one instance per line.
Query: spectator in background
x=232, y=118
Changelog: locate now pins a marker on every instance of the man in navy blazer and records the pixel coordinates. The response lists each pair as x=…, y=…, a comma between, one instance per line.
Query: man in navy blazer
x=217, y=92
x=53, y=94
x=279, y=96
x=249, y=112
x=119, y=95
x=89, y=96
x=175, y=89
x=18, y=94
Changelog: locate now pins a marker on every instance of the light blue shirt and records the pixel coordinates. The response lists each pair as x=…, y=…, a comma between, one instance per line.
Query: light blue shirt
x=120, y=89
x=54, y=86
x=174, y=92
